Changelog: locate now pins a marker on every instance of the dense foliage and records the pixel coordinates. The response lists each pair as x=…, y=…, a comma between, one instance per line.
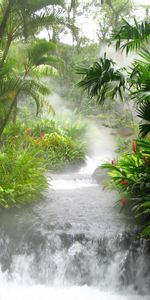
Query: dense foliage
x=27, y=66
x=130, y=172
x=130, y=175
x=31, y=69
x=26, y=154
x=61, y=146
x=22, y=175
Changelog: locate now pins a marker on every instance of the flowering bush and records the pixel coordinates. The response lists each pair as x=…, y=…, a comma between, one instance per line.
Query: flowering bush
x=59, y=144
x=59, y=150
x=27, y=152
x=130, y=175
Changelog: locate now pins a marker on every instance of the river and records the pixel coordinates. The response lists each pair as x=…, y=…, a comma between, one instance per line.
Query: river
x=73, y=245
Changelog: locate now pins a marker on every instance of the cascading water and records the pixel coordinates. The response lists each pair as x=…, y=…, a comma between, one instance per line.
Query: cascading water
x=74, y=245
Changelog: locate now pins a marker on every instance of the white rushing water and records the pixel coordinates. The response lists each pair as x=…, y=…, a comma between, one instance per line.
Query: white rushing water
x=74, y=245
x=38, y=292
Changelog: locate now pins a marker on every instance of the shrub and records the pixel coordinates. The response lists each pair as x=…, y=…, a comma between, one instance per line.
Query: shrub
x=27, y=152
x=60, y=144
x=22, y=177
x=60, y=151
x=76, y=130
x=45, y=126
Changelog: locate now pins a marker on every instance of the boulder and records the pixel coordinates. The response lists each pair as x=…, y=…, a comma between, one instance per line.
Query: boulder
x=100, y=175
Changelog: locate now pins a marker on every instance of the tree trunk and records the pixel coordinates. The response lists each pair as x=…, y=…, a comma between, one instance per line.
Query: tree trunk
x=12, y=106
x=115, y=13
x=6, y=119
x=5, y=19
x=15, y=112
x=5, y=52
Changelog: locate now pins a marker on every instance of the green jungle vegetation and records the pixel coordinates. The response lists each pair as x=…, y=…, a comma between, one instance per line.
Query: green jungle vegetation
x=36, y=65
x=130, y=171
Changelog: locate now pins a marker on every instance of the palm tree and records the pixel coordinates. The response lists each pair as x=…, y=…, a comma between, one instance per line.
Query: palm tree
x=22, y=19
x=135, y=38
x=140, y=80
x=38, y=61
x=99, y=79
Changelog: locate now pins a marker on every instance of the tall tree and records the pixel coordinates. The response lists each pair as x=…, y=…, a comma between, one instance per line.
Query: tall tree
x=109, y=16
x=20, y=20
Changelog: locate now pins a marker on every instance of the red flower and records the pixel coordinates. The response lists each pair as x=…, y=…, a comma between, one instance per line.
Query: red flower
x=124, y=201
x=134, y=147
x=113, y=162
x=124, y=182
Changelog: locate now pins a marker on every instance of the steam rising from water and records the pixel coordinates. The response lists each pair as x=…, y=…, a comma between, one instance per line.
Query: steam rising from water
x=120, y=58
x=101, y=147
x=60, y=108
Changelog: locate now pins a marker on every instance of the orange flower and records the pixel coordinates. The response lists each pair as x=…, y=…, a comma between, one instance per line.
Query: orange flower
x=124, y=182
x=134, y=147
x=124, y=201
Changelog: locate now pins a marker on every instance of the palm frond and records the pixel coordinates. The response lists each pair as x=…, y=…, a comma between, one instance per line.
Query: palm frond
x=33, y=6
x=8, y=88
x=132, y=37
x=45, y=70
x=51, y=60
x=140, y=76
x=31, y=85
x=143, y=112
x=40, y=21
x=144, y=130
x=46, y=105
x=35, y=90
x=101, y=80
x=38, y=49
x=145, y=55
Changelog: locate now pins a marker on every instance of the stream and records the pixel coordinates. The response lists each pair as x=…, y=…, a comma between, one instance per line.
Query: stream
x=73, y=245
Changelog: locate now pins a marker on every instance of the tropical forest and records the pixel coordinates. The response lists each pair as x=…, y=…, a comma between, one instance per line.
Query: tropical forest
x=74, y=149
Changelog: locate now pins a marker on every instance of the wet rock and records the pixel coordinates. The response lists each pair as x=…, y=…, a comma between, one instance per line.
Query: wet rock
x=100, y=175
x=123, y=131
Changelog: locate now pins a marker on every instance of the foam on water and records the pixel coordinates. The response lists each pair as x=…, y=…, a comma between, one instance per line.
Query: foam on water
x=72, y=184
x=39, y=292
x=91, y=165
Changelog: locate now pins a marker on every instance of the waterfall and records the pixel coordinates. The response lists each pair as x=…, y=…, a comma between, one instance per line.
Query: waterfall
x=74, y=245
